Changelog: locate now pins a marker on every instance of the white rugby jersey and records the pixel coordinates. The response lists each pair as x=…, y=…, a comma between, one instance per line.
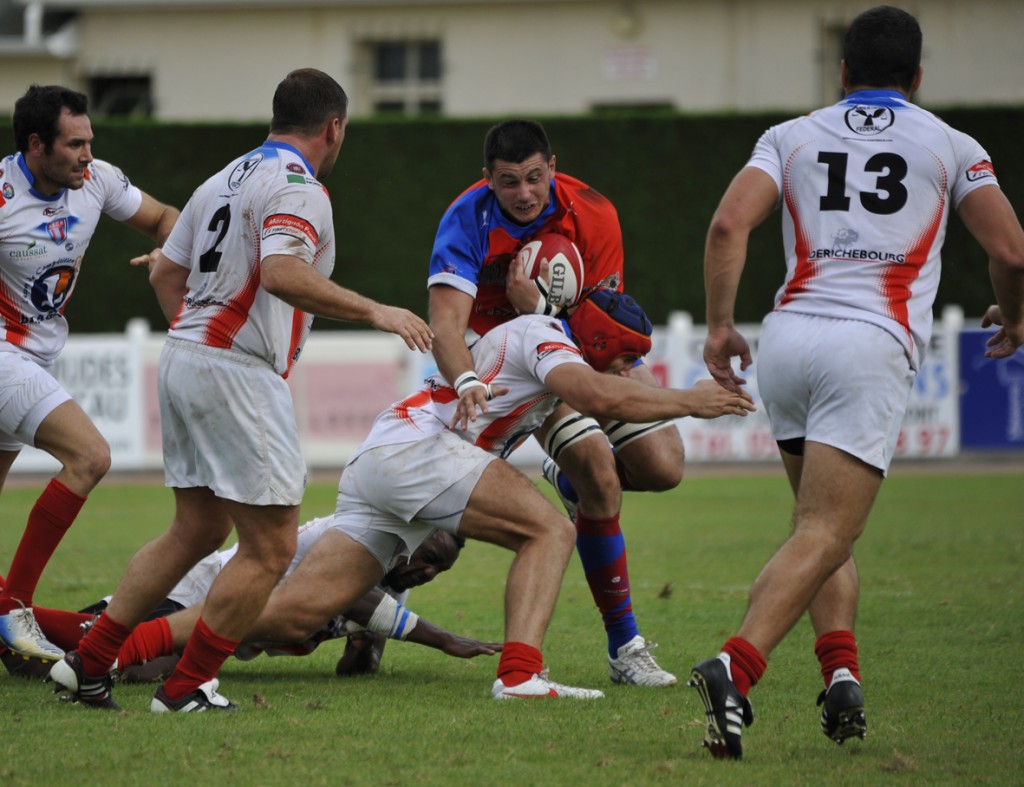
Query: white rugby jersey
x=867, y=185
x=263, y=203
x=518, y=354
x=42, y=243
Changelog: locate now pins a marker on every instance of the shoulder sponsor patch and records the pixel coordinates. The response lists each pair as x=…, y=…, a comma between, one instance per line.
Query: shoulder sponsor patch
x=981, y=170
x=287, y=224
x=546, y=348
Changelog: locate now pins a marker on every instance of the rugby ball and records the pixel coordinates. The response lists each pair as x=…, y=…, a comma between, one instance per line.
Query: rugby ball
x=565, y=272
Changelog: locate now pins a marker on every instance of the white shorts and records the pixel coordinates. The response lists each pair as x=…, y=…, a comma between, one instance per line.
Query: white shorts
x=844, y=383
x=28, y=393
x=392, y=497
x=228, y=424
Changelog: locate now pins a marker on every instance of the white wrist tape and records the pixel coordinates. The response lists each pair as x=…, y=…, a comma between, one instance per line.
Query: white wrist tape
x=543, y=306
x=468, y=380
x=392, y=619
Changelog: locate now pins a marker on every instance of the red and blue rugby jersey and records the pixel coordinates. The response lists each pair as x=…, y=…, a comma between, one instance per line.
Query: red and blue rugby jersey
x=476, y=242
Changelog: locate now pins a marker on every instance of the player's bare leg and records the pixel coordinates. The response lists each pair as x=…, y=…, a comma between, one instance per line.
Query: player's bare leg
x=267, y=538
x=334, y=574
x=833, y=612
x=836, y=494
x=200, y=526
x=506, y=509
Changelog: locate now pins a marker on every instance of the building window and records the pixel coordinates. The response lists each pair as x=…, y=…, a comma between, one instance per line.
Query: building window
x=120, y=95
x=405, y=76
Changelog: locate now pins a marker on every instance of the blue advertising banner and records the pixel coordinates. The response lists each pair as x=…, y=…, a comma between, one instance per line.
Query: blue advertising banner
x=991, y=396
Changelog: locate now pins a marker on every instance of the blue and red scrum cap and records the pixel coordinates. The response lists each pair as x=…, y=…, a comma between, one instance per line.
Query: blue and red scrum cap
x=609, y=324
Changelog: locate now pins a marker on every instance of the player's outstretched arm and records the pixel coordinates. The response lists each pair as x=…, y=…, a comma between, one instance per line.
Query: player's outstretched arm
x=619, y=398
x=426, y=633
x=303, y=287
x=154, y=219
x=381, y=614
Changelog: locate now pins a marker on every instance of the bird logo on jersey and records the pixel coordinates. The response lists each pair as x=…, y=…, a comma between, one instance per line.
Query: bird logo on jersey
x=50, y=292
x=869, y=121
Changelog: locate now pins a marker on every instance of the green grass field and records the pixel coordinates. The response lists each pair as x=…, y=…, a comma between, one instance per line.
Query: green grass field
x=941, y=632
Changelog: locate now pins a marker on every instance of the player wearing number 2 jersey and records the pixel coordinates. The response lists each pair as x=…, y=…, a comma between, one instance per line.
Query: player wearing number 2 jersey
x=52, y=194
x=866, y=188
x=240, y=279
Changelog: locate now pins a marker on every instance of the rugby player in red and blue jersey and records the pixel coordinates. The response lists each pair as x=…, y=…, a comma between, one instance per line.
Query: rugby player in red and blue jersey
x=473, y=286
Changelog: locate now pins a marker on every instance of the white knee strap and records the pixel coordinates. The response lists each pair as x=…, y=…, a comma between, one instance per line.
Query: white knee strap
x=569, y=430
x=620, y=433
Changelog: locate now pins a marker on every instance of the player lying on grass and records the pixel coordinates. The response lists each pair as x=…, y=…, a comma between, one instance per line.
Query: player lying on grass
x=151, y=650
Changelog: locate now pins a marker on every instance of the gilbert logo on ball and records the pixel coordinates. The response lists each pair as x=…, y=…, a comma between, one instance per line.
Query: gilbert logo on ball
x=565, y=267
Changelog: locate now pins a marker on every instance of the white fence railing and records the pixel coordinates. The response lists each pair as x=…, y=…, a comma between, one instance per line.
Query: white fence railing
x=345, y=378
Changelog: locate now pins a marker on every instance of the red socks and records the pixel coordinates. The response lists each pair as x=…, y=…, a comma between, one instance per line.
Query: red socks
x=98, y=649
x=204, y=655
x=747, y=664
x=148, y=641
x=837, y=650
x=48, y=521
x=518, y=663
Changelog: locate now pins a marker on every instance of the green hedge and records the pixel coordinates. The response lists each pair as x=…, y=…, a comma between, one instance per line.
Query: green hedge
x=395, y=178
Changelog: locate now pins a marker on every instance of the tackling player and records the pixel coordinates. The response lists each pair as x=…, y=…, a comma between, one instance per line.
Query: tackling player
x=53, y=193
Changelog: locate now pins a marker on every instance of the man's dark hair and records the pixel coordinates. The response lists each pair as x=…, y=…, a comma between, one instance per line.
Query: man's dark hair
x=515, y=141
x=882, y=48
x=39, y=110
x=305, y=101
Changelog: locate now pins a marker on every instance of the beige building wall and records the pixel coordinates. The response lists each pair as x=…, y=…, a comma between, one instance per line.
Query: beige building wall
x=221, y=60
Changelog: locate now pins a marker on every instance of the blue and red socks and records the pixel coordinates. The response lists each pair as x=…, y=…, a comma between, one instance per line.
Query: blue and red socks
x=602, y=551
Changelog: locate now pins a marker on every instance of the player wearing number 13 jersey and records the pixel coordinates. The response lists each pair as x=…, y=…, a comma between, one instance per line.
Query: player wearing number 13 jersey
x=866, y=188
x=867, y=185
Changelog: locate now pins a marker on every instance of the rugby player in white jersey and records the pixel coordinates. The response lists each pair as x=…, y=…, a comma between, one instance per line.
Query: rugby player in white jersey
x=240, y=280
x=866, y=187
x=52, y=193
x=432, y=462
